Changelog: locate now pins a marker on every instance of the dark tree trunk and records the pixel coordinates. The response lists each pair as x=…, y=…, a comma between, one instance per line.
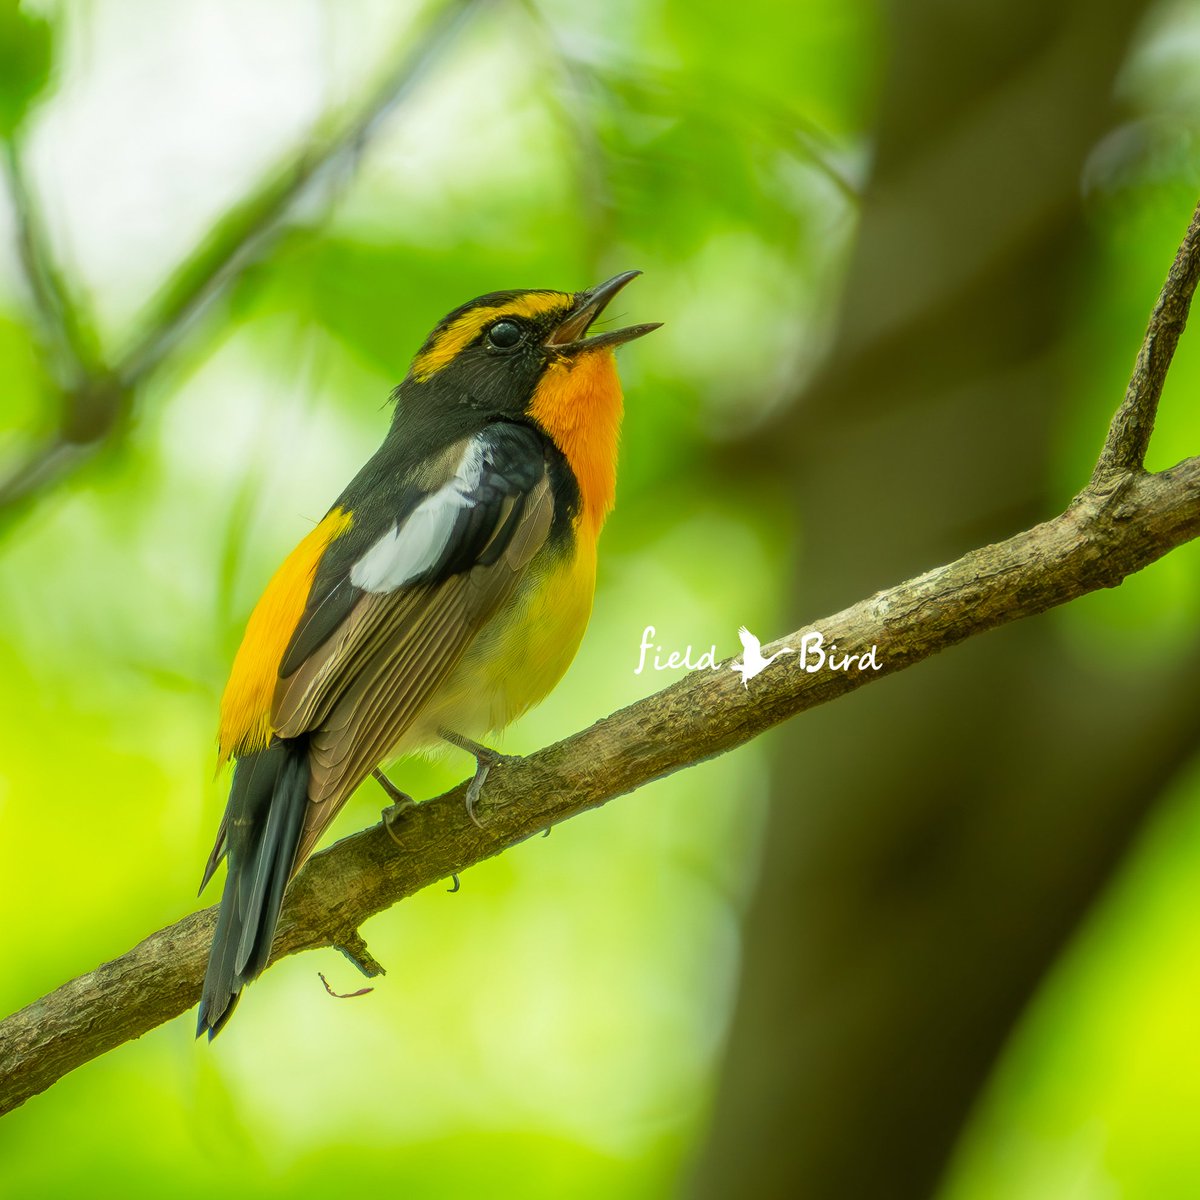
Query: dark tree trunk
x=936, y=839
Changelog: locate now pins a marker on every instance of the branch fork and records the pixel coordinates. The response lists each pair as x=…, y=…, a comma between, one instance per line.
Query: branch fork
x=1123, y=520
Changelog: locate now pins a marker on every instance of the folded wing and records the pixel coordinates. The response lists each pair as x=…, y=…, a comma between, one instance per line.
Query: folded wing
x=391, y=615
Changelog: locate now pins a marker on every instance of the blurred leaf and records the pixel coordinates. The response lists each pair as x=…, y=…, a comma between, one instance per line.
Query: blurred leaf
x=26, y=387
x=382, y=299
x=821, y=55
x=26, y=60
x=579, y=1065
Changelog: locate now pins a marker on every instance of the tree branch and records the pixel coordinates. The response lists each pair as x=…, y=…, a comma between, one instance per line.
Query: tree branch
x=1122, y=521
x=70, y=354
x=1097, y=542
x=90, y=399
x=243, y=235
x=1129, y=435
x=95, y=398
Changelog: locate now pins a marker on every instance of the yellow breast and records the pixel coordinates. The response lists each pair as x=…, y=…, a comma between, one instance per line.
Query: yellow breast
x=542, y=637
x=518, y=658
x=516, y=661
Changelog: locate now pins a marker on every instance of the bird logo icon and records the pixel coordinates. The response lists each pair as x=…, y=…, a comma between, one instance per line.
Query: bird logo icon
x=753, y=662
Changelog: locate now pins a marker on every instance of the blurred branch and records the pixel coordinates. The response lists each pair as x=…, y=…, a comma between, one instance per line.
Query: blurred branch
x=90, y=401
x=95, y=398
x=593, y=182
x=1106, y=534
x=70, y=354
x=245, y=233
x=748, y=114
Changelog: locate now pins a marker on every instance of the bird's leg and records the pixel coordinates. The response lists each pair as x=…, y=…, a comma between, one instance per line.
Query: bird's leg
x=402, y=803
x=485, y=760
x=399, y=799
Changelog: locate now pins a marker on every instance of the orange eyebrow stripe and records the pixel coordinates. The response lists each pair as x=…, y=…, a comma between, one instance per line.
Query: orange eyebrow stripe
x=462, y=332
x=246, y=703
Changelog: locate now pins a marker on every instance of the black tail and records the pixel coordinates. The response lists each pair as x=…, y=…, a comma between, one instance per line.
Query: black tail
x=260, y=833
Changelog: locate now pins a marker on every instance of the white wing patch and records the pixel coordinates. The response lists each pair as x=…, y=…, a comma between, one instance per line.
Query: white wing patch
x=411, y=548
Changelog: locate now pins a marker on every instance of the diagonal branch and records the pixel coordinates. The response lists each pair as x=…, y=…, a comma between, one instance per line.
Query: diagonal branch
x=69, y=352
x=243, y=235
x=90, y=401
x=95, y=398
x=1107, y=533
x=1095, y=543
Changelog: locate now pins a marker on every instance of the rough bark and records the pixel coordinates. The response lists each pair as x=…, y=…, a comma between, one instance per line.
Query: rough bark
x=1105, y=535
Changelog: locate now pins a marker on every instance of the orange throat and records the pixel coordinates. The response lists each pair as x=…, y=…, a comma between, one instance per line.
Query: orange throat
x=578, y=403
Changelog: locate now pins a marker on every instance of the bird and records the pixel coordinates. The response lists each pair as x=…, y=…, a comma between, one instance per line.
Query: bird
x=443, y=594
x=753, y=662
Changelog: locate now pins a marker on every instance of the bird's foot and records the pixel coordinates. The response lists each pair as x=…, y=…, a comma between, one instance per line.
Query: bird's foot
x=485, y=760
x=402, y=804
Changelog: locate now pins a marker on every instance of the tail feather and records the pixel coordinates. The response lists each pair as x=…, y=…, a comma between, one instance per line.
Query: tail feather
x=217, y=855
x=261, y=830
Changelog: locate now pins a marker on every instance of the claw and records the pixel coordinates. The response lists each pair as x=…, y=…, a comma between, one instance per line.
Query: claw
x=485, y=760
x=482, y=767
x=402, y=804
x=389, y=817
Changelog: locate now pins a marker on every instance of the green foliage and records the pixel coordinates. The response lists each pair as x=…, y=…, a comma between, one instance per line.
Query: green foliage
x=552, y=1029
x=26, y=59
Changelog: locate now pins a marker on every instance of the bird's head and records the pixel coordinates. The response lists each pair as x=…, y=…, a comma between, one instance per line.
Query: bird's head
x=496, y=349
x=530, y=355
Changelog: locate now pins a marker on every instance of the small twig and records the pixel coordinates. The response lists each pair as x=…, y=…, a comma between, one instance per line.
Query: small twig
x=807, y=141
x=355, y=949
x=362, y=991
x=1129, y=434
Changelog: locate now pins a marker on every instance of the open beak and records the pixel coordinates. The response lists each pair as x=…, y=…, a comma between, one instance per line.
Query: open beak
x=568, y=337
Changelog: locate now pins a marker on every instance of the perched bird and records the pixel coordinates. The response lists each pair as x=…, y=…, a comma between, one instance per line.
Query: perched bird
x=444, y=594
x=753, y=662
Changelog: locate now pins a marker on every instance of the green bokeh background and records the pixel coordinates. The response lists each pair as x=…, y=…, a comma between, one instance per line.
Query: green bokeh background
x=551, y=1029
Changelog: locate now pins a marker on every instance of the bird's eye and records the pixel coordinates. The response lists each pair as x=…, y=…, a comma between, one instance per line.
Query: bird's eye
x=504, y=335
